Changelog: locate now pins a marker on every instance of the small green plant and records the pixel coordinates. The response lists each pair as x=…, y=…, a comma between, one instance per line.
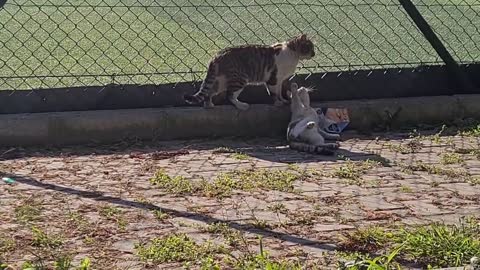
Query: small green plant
x=452, y=158
x=6, y=244
x=232, y=237
x=368, y=239
x=240, y=156
x=209, y=263
x=42, y=239
x=174, y=248
x=27, y=212
x=115, y=214
x=382, y=262
x=160, y=215
x=433, y=246
x=174, y=185
x=79, y=221
x=464, y=151
x=433, y=169
x=472, y=131
x=33, y=266
x=262, y=261
x=278, y=207
x=222, y=186
x=62, y=263
x=281, y=180
x=84, y=264
x=406, y=189
x=110, y=211
x=354, y=170
x=474, y=180
x=440, y=245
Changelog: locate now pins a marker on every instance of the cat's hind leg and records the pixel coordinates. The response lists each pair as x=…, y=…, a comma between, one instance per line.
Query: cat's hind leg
x=234, y=89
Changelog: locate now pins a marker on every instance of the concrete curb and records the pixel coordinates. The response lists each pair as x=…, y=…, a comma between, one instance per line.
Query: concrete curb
x=186, y=123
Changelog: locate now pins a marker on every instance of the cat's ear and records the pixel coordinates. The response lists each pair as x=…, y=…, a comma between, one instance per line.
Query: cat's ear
x=303, y=36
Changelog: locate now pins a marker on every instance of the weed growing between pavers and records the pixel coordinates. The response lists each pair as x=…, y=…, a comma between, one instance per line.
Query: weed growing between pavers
x=451, y=158
x=435, y=245
x=175, y=185
x=468, y=151
x=61, y=263
x=28, y=212
x=114, y=214
x=174, y=248
x=44, y=240
x=224, y=184
x=235, y=154
x=179, y=248
x=353, y=170
x=434, y=169
x=472, y=130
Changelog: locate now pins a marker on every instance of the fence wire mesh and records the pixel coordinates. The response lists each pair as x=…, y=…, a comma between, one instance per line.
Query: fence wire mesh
x=66, y=43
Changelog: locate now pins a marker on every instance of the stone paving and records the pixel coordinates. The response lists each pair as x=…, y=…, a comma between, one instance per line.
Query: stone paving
x=100, y=199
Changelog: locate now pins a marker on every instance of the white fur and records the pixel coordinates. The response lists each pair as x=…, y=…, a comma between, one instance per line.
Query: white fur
x=286, y=61
x=307, y=128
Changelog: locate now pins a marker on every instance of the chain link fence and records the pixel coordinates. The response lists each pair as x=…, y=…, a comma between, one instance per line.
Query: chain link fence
x=67, y=43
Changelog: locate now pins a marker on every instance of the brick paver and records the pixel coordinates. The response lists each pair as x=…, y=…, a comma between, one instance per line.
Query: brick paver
x=84, y=180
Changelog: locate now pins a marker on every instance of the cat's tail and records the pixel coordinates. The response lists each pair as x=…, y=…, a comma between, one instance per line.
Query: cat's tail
x=327, y=149
x=205, y=89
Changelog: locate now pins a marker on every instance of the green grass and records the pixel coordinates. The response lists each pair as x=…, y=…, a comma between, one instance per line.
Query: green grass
x=225, y=183
x=28, y=212
x=435, y=245
x=46, y=240
x=353, y=170
x=123, y=38
x=174, y=248
x=452, y=158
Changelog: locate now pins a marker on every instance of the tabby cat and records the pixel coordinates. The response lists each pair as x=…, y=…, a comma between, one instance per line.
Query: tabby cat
x=235, y=67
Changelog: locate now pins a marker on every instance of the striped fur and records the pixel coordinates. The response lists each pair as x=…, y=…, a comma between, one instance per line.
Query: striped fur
x=304, y=146
x=312, y=149
x=235, y=67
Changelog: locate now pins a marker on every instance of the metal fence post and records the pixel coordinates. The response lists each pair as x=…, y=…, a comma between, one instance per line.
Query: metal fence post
x=452, y=66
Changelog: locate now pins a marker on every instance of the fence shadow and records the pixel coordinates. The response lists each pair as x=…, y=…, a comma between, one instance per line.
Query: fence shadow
x=189, y=215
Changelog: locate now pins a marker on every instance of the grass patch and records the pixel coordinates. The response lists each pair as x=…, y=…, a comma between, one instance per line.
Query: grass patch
x=224, y=184
x=234, y=153
x=278, y=207
x=471, y=131
x=160, y=215
x=44, y=240
x=6, y=244
x=406, y=189
x=232, y=237
x=27, y=212
x=174, y=248
x=176, y=37
x=175, y=185
x=262, y=260
x=115, y=214
x=354, y=170
x=240, y=156
x=435, y=245
x=434, y=169
x=475, y=180
x=60, y=263
x=451, y=158
x=464, y=151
